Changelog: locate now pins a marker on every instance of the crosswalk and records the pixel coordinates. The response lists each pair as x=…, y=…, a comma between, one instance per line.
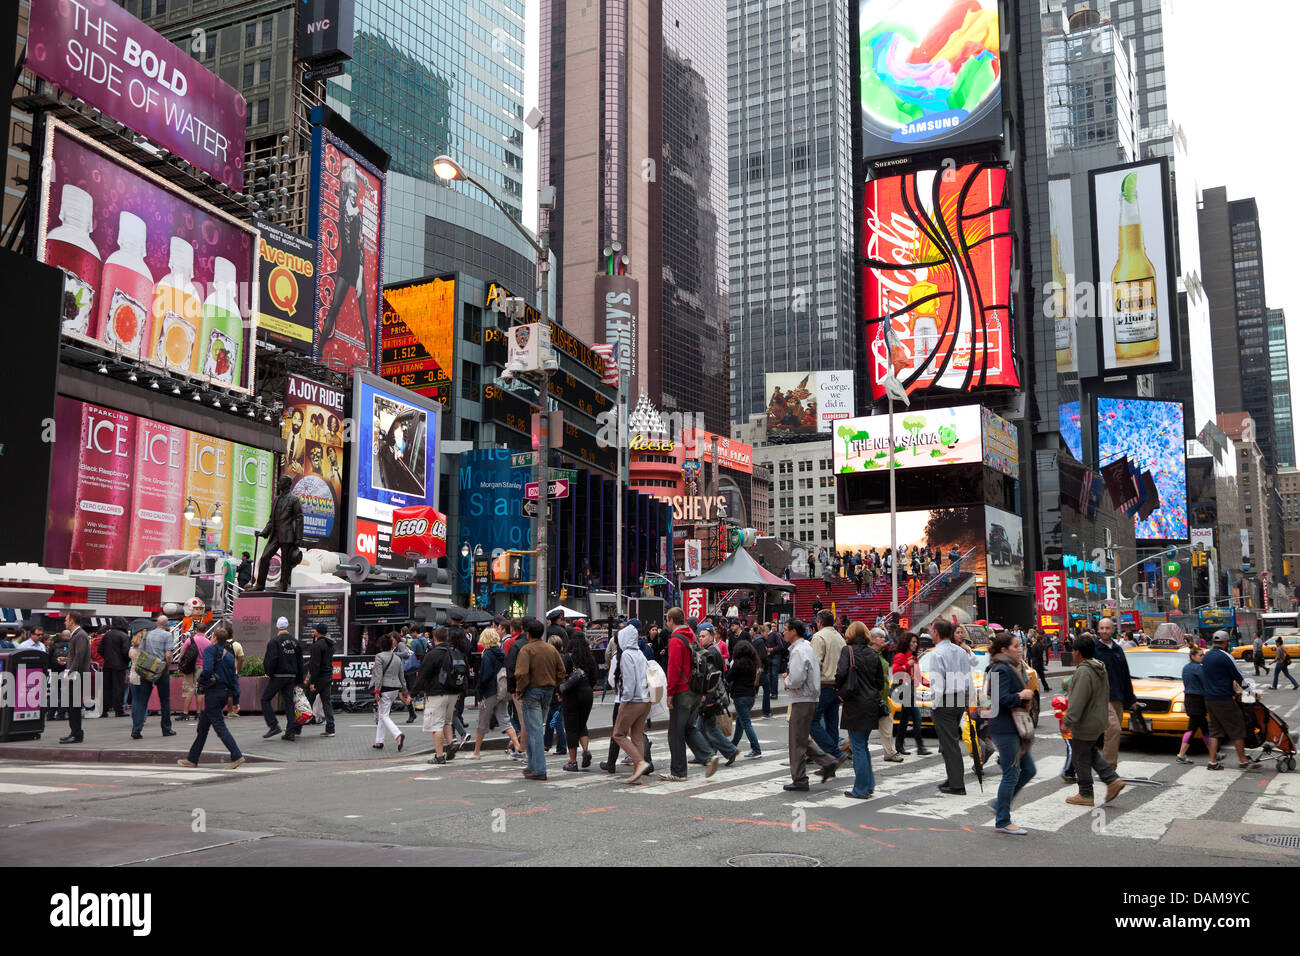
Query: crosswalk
x=43, y=778
x=906, y=792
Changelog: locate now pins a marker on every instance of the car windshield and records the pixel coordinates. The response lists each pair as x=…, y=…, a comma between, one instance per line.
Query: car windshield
x=1156, y=665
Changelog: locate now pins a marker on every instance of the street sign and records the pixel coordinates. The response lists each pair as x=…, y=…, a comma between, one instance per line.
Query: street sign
x=525, y=460
x=655, y=580
x=562, y=474
x=558, y=489
x=530, y=509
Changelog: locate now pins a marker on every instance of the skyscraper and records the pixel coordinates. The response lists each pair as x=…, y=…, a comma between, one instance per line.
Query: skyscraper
x=635, y=144
x=1280, y=372
x=790, y=154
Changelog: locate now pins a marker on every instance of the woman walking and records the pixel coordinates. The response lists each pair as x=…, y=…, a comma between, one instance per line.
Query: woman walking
x=1013, y=753
x=628, y=676
x=861, y=703
x=744, y=688
x=217, y=682
x=580, y=665
x=906, y=670
x=1282, y=665
x=1194, y=702
x=388, y=682
x=490, y=702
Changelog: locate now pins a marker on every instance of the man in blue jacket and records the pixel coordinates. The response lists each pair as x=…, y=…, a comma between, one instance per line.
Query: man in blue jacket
x=1122, y=697
x=1222, y=702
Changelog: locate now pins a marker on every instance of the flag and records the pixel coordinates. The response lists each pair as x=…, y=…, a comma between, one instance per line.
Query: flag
x=606, y=351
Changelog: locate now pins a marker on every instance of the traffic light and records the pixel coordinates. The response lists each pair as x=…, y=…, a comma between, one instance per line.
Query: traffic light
x=473, y=599
x=564, y=594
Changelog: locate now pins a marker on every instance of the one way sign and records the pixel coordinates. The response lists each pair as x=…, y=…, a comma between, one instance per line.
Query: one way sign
x=559, y=489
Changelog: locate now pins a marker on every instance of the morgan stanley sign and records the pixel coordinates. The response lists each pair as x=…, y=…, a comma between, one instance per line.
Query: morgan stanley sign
x=95, y=50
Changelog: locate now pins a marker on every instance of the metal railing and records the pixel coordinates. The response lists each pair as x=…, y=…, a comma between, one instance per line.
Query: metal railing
x=938, y=588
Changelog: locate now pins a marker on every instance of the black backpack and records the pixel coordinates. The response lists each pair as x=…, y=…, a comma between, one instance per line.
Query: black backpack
x=698, y=681
x=453, y=675
x=189, y=657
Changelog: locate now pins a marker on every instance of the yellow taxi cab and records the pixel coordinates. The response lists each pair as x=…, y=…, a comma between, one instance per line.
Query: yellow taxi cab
x=1290, y=644
x=1157, y=672
x=979, y=664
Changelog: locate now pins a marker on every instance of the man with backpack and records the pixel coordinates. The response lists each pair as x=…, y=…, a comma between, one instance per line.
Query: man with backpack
x=191, y=663
x=153, y=665
x=459, y=641
x=320, y=675
x=419, y=647
x=687, y=677
x=716, y=700
x=442, y=678
x=283, y=665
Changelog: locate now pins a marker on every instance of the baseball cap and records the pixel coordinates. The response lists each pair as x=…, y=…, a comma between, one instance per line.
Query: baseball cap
x=634, y=622
x=321, y=629
x=554, y=614
x=706, y=626
x=282, y=623
x=1222, y=637
x=455, y=614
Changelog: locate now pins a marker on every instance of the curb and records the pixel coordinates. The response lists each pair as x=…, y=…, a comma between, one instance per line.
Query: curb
x=73, y=755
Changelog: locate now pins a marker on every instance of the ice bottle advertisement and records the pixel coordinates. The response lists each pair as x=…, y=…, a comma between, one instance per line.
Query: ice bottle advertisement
x=150, y=273
x=211, y=462
x=159, y=499
x=104, y=468
x=250, y=497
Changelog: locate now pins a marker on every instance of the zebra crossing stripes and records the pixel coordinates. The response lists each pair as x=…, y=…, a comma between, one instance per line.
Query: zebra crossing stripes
x=1051, y=812
x=1189, y=796
x=1278, y=805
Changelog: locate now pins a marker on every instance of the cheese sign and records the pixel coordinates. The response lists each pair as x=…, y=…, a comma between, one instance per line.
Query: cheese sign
x=419, y=531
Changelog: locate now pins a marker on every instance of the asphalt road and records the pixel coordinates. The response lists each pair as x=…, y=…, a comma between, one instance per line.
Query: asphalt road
x=403, y=811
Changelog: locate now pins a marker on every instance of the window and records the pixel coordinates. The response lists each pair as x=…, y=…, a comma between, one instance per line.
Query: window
x=259, y=112
x=146, y=9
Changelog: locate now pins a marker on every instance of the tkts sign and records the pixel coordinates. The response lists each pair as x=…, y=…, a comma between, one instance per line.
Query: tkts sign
x=1050, y=600
x=938, y=277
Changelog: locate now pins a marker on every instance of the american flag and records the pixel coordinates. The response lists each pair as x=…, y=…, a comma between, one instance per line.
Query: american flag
x=606, y=351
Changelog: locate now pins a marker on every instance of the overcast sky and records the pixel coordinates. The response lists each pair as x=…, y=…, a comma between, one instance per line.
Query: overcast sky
x=1236, y=62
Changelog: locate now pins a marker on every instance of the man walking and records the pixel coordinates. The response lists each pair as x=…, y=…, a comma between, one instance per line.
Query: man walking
x=1038, y=657
x=712, y=704
x=157, y=642
x=1122, y=697
x=320, y=675
x=439, y=700
x=950, y=682
x=539, y=670
x=115, y=648
x=1222, y=702
x=885, y=724
x=76, y=676
x=1257, y=655
x=685, y=692
x=827, y=644
x=1086, y=719
x=803, y=681
x=283, y=665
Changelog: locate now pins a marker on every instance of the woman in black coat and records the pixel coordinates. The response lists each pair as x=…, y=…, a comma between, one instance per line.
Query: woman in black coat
x=860, y=704
x=577, y=701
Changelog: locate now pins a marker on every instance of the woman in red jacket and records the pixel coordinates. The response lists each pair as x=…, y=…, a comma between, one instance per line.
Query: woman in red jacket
x=907, y=671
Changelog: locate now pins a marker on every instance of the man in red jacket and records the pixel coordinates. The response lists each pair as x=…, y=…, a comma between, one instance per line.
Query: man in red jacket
x=683, y=703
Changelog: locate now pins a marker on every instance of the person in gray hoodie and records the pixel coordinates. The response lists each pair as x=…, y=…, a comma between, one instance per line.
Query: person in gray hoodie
x=1086, y=718
x=803, y=681
x=627, y=675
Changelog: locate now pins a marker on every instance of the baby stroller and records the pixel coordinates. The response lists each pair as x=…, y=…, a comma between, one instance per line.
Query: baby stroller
x=1269, y=732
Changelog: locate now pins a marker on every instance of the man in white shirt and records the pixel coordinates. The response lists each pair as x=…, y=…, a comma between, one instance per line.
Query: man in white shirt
x=950, y=681
x=34, y=641
x=803, y=682
x=827, y=644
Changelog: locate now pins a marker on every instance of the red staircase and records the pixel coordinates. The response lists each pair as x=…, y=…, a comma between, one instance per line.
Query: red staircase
x=867, y=608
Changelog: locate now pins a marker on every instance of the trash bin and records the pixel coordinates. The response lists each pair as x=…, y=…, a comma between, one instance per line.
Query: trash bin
x=21, y=714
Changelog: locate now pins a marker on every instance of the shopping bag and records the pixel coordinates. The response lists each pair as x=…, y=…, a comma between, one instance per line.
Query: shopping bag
x=301, y=707
x=318, y=708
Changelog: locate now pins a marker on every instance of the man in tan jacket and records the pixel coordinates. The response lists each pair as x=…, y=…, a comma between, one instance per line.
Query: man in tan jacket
x=827, y=643
x=539, y=671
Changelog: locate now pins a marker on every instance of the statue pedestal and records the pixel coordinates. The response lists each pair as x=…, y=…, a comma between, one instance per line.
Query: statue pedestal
x=255, y=615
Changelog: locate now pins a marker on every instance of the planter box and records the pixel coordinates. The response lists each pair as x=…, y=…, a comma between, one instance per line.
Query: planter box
x=250, y=695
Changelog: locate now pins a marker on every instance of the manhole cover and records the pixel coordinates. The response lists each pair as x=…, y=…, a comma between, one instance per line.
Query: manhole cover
x=1286, y=841
x=773, y=859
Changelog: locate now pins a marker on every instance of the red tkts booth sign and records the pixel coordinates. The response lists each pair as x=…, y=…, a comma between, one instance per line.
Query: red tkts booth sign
x=419, y=531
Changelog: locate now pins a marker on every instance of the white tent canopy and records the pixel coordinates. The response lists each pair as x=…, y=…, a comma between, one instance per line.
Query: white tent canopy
x=567, y=612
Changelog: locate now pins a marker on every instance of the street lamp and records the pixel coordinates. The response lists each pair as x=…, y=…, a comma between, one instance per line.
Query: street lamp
x=465, y=553
x=449, y=170
x=194, y=516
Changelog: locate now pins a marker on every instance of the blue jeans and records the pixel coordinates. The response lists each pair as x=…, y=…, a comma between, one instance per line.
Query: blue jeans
x=1278, y=672
x=826, y=721
x=140, y=703
x=1015, y=774
x=864, y=779
x=554, y=727
x=744, y=724
x=536, y=701
x=213, y=703
x=716, y=738
x=1068, y=769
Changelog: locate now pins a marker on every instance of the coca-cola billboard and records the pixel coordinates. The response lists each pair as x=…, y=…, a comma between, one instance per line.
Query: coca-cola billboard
x=937, y=245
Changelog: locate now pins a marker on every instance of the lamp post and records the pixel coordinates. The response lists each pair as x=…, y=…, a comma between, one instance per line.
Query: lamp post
x=447, y=169
x=465, y=552
x=194, y=516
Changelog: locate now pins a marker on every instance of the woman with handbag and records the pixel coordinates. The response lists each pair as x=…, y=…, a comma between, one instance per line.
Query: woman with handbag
x=577, y=698
x=858, y=681
x=132, y=675
x=490, y=693
x=216, y=683
x=1009, y=725
x=743, y=677
x=388, y=681
x=907, y=677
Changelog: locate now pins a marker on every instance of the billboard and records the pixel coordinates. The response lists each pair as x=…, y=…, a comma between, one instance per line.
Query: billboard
x=288, y=288
x=1049, y=594
x=1064, y=271
x=807, y=403
x=313, y=433
x=936, y=436
x=733, y=454
x=325, y=30
x=617, y=300
x=417, y=337
x=942, y=528
x=1072, y=428
x=394, y=460
x=150, y=272
x=1132, y=248
x=100, y=53
x=1004, y=545
x=491, y=513
x=1150, y=433
x=121, y=484
x=1001, y=443
x=931, y=75
x=346, y=214
x=937, y=280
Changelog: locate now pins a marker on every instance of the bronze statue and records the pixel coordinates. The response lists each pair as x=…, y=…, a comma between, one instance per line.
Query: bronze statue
x=283, y=531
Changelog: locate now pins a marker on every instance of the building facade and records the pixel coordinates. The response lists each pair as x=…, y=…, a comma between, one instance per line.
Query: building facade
x=790, y=155
x=1280, y=372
